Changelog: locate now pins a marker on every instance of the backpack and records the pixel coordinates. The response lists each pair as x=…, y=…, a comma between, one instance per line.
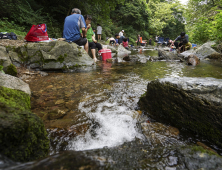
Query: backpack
x=5, y=35
x=37, y=33
x=12, y=36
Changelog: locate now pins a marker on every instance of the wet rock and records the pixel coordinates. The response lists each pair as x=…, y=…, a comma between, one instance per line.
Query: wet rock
x=112, y=48
x=185, y=54
x=193, y=60
x=215, y=55
x=191, y=103
x=67, y=160
x=110, y=60
x=122, y=52
x=205, y=50
x=156, y=133
x=22, y=133
x=167, y=55
x=132, y=58
x=133, y=155
x=14, y=83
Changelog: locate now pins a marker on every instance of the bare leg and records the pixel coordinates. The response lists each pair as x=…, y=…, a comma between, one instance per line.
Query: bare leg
x=94, y=54
x=86, y=47
x=98, y=36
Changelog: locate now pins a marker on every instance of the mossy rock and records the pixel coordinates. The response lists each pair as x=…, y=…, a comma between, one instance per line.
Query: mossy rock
x=11, y=70
x=23, y=136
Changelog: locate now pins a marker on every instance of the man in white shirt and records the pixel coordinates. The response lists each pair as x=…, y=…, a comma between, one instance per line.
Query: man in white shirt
x=121, y=33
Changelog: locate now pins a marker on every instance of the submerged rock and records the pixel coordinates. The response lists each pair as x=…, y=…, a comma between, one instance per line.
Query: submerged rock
x=129, y=156
x=159, y=134
x=191, y=103
x=22, y=134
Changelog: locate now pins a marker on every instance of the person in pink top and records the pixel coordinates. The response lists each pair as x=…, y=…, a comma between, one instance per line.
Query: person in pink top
x=125, y=43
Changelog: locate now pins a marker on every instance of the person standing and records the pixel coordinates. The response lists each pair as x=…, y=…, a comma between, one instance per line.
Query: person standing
x=99, y=31
x=138, y=40
x=72, y=25
x=150, y=41
x=121, y=33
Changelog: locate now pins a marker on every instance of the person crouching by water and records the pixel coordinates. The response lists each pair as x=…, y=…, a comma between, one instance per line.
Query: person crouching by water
x=125, y=43
x=90, y=35
x=119, y=39
x=184, y=40
x=72, y=25
x=112, y=41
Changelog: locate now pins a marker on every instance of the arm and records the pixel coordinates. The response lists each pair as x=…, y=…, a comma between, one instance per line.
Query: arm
x=93, y=38
x=83, y=26
x=84, y=31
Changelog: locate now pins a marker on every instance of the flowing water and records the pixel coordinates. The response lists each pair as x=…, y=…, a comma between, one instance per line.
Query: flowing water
x=99, y=108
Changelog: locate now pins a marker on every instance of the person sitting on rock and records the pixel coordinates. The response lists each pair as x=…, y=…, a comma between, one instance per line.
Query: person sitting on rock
x=72, y=25
x=125, y=43
x=90, y=35
x=184, y=39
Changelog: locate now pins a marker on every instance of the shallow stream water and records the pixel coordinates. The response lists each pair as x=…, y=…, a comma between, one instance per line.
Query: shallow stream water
x=100, y=106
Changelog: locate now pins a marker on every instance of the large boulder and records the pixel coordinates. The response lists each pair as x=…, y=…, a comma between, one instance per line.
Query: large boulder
x=204, y=51
x=51, y=55
x=23, y=136
x=191, y=103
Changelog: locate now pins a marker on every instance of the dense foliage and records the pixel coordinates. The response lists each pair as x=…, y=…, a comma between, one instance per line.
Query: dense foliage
x=148, y=18
x=204, y=20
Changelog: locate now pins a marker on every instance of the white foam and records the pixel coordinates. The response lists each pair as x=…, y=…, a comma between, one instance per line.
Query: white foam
x=116, y=127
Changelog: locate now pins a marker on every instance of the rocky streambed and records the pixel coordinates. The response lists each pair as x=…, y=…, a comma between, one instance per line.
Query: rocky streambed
x=93, y=115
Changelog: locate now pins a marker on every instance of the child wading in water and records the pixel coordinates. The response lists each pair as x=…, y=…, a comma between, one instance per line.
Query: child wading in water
x=125, y=43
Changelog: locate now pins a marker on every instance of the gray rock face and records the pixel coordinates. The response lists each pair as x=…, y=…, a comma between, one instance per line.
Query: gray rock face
x=208, y=88
x=191, y=103
x=204, y=51
x=51, y=55
x=4, y=58
x=14, y=83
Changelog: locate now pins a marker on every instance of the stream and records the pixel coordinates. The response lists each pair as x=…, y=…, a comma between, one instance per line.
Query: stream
x=96, y=113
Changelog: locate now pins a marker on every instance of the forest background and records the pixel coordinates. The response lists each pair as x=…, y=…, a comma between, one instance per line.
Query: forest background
x=201, y=20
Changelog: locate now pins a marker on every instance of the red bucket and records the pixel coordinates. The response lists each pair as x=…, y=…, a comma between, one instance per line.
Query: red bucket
x=105, y=54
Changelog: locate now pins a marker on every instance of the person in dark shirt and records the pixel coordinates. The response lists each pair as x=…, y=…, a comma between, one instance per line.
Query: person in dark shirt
x=120, y=38
x=184, y=39
x=72, y=25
